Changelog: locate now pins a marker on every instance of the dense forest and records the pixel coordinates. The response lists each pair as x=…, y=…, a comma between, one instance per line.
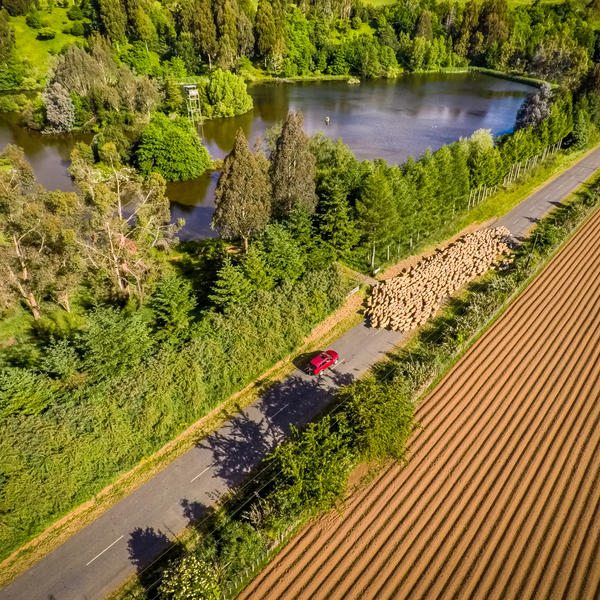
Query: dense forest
x=119, y=66
x=114, y=336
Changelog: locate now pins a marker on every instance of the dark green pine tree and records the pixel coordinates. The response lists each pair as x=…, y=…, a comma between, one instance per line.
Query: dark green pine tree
x=423, y=28
x=336, y=226
x=375, y=210
x=444, y=201
x=428, y=186
x=197, y=19
x=283, y=256
x=255, y=269
x=460, y=174
x=299, y=224
x=226, y=19
x=7, y=38
x=231, y=287
x=266, y=32
x=114, y=19
x=293, y=169
x=243, y=194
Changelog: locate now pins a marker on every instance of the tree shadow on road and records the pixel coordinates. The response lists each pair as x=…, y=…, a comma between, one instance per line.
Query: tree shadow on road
x=240, y=445
x=144, y=545
x=194, y=511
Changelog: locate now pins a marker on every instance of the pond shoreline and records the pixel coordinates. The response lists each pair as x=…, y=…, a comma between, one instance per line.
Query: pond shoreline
x=390, y=119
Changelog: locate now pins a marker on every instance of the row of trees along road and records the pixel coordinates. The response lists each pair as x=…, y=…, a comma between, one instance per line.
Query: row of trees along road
x=369, y=206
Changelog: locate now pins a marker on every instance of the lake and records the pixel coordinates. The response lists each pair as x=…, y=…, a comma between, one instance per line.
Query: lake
x=388, y=119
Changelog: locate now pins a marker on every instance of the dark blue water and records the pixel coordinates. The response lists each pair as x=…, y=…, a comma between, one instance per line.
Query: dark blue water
x=376, y=119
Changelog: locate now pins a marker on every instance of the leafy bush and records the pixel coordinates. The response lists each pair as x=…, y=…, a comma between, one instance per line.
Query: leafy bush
x=34, y=19
x=75, y=13
x=77, y=28
x=171, y=148
x=10, y=103
x=12, y=73
x=224, y=95
x=46, y=33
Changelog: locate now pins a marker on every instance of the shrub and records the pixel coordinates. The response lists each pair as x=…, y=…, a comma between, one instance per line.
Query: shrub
x=171, y=148
x=77, y=28
x=224, y=95
x=12, y=73
x=34, y=19
x=75, y=13
x=46, y=34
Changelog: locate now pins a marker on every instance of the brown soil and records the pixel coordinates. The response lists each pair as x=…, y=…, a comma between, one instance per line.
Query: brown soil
x=501, y=498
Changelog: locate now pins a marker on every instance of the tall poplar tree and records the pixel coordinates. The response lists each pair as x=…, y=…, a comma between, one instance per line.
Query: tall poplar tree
x=243, y=194
x=293, y=169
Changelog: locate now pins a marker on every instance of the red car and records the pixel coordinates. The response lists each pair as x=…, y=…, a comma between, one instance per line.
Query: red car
x=323, y=361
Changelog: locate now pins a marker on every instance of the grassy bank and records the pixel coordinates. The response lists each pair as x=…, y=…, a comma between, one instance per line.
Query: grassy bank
x=510, y=76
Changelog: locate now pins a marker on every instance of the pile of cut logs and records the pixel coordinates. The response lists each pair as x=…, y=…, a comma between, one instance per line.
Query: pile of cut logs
x=407, y=301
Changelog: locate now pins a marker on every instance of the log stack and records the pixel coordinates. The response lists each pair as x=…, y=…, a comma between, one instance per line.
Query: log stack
x=407, y=301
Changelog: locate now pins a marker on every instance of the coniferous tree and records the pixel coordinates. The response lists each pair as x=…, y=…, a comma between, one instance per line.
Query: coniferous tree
x=293, y=169
x=198, y=20
x=242, y=197
x=255, y=269
x=581, y=131
x=336, y=226
x=231, y=287
x=266, y=33
x=114, y=19
x=375, y=210
x=460, y=176
x=423, y=28
x=7, y=38
x=283, y=256
x=443, y=165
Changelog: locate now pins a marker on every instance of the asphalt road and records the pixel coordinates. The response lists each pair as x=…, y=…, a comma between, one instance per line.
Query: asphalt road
x=524, y=216
x=120, y=542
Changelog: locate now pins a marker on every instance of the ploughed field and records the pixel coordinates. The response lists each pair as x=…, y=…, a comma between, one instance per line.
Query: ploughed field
x=501, y=497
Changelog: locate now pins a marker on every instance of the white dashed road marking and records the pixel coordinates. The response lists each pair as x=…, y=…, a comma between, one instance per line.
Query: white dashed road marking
x=201, y=473
x=103, y=551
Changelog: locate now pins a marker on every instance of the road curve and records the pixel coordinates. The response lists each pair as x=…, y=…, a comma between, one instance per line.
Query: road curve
x=501, y=496
x=97, y=559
